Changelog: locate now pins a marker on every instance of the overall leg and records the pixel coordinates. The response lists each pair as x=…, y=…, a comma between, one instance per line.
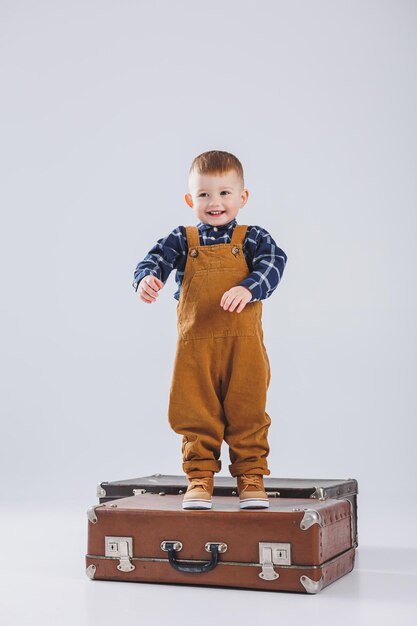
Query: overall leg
x=195, y=408
x=245, y=381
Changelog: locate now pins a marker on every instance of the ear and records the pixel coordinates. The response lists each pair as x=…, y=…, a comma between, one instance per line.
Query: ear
x=189, y=199
x=244, y=196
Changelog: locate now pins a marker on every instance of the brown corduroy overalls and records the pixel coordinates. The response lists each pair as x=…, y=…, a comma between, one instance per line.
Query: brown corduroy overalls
x=221, y=369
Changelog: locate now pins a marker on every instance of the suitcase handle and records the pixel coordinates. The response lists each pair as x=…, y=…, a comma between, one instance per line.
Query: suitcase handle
x=192, y=569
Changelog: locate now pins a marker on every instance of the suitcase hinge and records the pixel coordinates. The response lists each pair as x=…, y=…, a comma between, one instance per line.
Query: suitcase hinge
x=271, y=554
x=101, y=492
x=319, y=494
x=121, y=547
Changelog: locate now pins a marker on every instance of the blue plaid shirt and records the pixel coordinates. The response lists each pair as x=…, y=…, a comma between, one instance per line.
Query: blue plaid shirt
x=265, y=259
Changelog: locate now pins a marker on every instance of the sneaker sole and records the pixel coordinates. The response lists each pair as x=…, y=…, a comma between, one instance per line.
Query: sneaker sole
x=197, y=504
x=254, y=504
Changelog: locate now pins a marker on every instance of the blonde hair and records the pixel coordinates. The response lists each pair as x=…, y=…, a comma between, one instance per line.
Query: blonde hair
x=216, y=162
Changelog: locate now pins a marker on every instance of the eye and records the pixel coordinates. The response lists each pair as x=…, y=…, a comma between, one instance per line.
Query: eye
x=201, y=195
x=225, y=191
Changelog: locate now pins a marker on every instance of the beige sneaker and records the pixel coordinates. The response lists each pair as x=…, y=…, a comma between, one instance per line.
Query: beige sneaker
x=199, y=493
x=252, y=494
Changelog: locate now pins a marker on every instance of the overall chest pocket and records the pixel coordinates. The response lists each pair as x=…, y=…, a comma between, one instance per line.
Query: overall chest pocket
x=195, y=285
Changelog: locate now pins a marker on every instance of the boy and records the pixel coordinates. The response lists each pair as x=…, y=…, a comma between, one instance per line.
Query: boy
x=221, y=370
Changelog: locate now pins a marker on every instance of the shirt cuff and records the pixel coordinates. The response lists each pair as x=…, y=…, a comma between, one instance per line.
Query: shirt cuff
x=140, y=276
x=253, y=286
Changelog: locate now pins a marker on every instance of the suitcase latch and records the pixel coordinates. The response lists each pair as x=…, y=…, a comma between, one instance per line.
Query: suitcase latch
x=271, y=554
x=121, y=548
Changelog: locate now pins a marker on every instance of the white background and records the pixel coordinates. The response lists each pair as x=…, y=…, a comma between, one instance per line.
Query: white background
x=104, y=105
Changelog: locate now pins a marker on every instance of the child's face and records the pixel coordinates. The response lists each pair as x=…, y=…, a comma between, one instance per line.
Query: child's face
x=213, y=193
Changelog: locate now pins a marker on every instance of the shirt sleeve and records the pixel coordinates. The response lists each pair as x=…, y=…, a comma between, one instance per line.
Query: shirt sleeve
x=161, y=259
x=268, y=264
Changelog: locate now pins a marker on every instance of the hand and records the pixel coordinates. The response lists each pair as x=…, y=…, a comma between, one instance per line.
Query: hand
x=148, y=288
x=236, y=297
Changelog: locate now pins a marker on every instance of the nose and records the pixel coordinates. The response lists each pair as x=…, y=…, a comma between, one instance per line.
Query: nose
x=214, y=202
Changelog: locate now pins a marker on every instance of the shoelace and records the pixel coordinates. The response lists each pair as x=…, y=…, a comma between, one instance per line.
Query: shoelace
x=253, y=480
x=200, y=482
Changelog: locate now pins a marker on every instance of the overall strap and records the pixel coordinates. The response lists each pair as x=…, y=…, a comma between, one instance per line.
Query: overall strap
x=193, y=236
x=239, y=234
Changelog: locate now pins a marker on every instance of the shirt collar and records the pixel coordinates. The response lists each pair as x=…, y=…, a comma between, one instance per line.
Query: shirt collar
x=203, y=227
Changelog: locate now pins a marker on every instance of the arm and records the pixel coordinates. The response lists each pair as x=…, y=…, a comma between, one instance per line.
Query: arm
x=268, y=264
x=160, y=260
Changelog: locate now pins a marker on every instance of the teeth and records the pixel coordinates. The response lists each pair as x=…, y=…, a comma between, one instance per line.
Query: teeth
x=215, y=212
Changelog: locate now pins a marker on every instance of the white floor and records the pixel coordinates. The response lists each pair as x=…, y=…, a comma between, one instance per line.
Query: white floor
x=43, y=582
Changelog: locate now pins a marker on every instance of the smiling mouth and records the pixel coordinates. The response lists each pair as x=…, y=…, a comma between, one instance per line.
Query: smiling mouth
x=215, y=212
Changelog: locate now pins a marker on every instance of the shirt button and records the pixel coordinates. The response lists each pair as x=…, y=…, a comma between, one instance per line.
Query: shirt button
x=214, y=227
x=212, y=237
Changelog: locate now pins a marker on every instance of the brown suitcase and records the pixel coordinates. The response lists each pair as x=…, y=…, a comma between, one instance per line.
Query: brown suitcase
x=167, y=484
x=299, y=545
